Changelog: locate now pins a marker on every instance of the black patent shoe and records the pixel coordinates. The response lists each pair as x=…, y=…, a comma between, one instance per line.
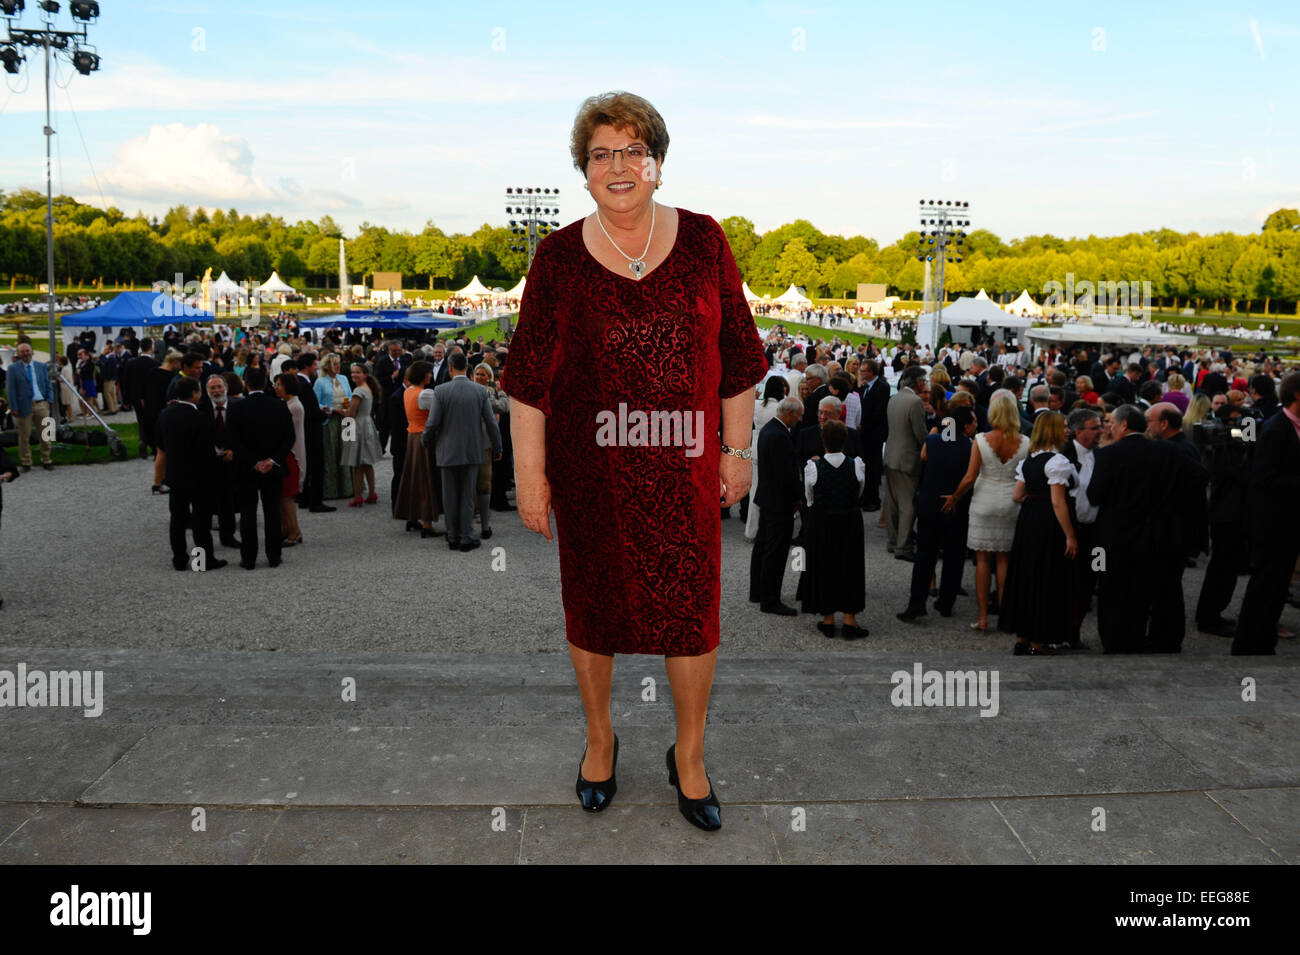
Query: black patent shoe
x=596, y=796
x=703, y=813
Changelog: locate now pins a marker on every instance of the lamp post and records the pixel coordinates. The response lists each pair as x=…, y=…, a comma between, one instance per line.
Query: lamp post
x=74, y=46
x=943, y=225
x=531, y=204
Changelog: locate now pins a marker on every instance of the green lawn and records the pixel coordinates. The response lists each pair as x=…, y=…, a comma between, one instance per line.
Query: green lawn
x=815, y=332
x=79, y=454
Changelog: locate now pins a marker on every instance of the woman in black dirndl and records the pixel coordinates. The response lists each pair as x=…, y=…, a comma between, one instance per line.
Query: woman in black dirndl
x=835, y=575
x=1037, y=602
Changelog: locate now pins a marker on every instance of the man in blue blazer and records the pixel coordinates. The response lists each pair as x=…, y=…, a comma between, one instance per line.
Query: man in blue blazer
x=29, y=400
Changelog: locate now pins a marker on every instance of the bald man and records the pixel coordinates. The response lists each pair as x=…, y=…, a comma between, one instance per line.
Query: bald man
x=1165, y=423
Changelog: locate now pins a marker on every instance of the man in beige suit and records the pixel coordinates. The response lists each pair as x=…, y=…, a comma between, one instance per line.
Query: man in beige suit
x=906, y=416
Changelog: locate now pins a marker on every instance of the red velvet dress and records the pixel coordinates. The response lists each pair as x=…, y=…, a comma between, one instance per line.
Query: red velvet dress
x=637, y=522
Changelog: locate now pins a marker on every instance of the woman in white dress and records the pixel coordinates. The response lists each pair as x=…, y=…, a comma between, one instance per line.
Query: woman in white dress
x=993, y=509
x=361, y=449
x=774, y=389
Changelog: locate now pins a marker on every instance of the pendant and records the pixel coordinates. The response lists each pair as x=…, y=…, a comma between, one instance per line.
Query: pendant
x=637, y=266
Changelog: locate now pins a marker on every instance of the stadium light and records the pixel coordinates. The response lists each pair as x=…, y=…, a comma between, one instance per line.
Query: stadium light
x=74, y=46
x=944, y=242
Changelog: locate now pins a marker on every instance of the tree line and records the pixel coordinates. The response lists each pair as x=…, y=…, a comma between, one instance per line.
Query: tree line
x=96, y=247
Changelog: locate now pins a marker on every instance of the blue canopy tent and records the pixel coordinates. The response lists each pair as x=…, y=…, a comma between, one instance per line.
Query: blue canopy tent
x=137, y=309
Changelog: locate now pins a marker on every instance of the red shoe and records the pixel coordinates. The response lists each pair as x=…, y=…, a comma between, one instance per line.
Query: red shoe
x=355, y=502
x=373, y=498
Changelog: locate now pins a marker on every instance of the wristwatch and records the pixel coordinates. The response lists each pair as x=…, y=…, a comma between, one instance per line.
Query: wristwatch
x=735, y=452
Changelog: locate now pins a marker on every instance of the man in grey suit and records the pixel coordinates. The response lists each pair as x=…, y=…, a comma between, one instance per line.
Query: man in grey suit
x=906, y=416
x=461, y=409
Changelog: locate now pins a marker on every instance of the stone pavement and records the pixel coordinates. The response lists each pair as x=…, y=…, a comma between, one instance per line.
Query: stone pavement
x=471, y=758
x=224, y=692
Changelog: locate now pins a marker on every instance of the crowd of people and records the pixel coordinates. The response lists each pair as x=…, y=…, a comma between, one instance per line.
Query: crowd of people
x=1071, y=477
x=238, y=421
x=1068, y=477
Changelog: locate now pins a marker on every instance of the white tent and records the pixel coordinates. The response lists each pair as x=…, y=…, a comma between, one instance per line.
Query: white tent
x=225, y=286
x=275, y=284
x=982, y=296
x=475, y=289
x=792, y=296
x=1024, y=305
x=1107, y=335
x=969, y=312
x=749, y=293
x=517, y=292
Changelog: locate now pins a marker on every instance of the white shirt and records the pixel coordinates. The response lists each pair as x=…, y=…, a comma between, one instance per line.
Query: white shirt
x=834, y=459
x=852, y=410
x=1084, y=508
x=1059, y=469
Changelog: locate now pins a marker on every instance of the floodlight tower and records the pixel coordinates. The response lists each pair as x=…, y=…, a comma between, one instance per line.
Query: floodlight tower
x=533, y=205
x=943, y=235
x=72, y=45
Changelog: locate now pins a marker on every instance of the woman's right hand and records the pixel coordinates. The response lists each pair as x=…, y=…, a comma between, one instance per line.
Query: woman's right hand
x=533, y=497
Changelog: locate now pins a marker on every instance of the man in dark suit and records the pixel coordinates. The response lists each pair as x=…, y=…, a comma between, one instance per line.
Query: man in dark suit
x=397, y=430
x=214, y=408
x=808, y=442
x=441, y=370
x=261, y=436
x=1275, y=514
x=190, y=465
x=390, y=369
x=1039, y=396
x=134, y=379
x=779, y=490
x=1148, y=521
x=313, y=421
x=1165, y=423
x=1125, y=385
x=873, y=429
x=1080, y=449
x=817, y=374
x=940, y=526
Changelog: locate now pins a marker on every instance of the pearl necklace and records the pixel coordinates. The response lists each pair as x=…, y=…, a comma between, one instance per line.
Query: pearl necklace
x=637, y=265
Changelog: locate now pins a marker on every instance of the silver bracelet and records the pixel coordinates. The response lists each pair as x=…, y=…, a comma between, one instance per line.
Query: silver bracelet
x=736, y=453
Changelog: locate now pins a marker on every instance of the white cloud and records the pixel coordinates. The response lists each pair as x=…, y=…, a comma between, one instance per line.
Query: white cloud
x=197, y=164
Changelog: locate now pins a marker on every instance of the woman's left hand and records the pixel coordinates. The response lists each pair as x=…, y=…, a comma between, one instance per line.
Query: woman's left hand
x=735, y=476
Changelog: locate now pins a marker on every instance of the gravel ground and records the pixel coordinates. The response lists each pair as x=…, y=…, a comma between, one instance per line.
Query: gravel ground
x=84, y=562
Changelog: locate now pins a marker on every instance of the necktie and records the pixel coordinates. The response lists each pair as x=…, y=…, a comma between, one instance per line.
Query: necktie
x=221, y=426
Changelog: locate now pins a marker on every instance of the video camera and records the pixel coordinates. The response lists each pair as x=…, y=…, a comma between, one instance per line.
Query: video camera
x=1225, y=428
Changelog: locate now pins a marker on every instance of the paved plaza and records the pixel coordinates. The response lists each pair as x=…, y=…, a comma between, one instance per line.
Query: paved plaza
x=226, y=691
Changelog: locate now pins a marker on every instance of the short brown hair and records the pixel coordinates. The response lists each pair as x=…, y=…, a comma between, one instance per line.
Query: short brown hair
x=617, y=109
x=834, y=435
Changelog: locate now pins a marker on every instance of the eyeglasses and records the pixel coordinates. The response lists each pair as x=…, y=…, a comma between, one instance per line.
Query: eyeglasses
x=633, y=153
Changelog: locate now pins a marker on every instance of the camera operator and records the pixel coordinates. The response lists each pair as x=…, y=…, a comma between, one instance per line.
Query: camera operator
x=1228, y=455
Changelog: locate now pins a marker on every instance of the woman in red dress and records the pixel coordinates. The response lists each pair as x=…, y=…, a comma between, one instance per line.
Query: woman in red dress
x=632, y=379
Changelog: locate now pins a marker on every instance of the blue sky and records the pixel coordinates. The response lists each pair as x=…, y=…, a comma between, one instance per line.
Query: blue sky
x=1064, y=118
